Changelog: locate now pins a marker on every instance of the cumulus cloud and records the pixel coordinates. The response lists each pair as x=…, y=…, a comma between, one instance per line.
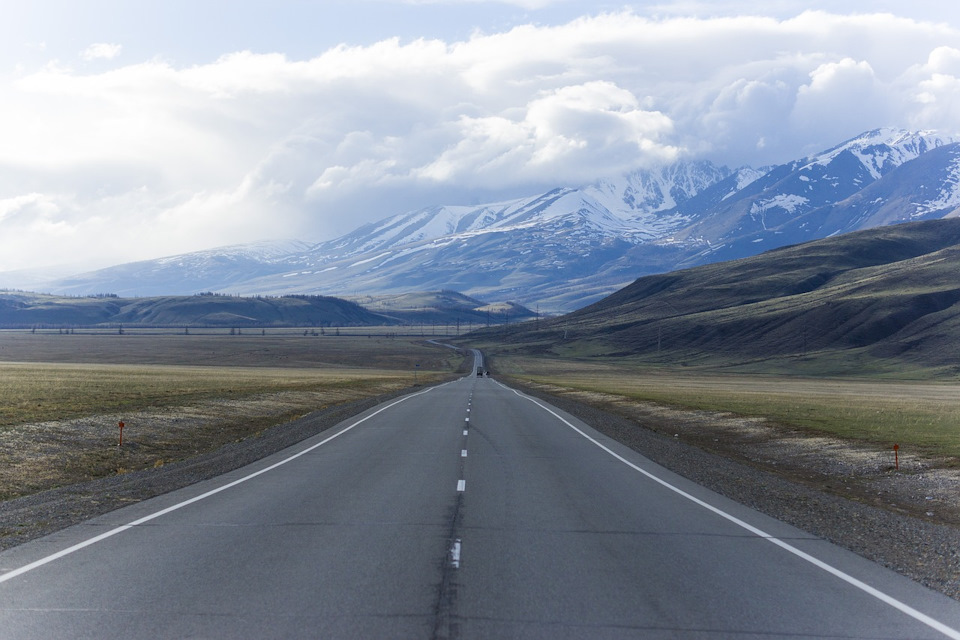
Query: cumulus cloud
x=152, y=158
x=593, y=128
x=840, y=97
x=932, y=90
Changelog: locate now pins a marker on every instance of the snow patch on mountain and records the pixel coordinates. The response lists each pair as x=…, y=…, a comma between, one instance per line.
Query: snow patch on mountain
x=948, y=196
x=265, y=251
x=648, y=192
x=786, y=201
x=882, y=150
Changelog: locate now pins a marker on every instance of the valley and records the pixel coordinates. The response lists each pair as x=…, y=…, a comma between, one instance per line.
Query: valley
x=198, y=405
x=852, y=338
x=488, y=319
x=782, y=380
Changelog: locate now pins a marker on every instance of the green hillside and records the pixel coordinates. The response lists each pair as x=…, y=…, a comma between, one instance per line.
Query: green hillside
x=879, y=301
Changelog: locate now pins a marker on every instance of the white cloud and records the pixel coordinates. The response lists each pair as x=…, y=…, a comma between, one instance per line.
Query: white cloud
x=841, y=97
x=594, y=129
x=165, y=158
x=101, y=51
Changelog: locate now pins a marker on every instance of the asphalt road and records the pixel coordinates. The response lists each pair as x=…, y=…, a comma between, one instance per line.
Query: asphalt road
x=463, y=511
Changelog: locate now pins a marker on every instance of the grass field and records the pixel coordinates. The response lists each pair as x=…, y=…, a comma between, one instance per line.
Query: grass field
x=923, y=416
x=45, y=392
x=63, y=395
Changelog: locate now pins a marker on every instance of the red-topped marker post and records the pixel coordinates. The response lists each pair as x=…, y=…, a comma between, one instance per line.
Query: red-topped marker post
x=121, y=433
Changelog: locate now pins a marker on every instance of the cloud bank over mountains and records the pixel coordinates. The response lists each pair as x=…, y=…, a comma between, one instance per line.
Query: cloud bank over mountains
x=106, y=160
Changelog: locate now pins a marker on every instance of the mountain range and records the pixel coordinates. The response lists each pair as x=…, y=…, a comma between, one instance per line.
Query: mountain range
x=571, y=246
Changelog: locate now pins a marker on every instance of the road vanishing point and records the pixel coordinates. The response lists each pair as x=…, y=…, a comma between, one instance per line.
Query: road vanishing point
x=465, y=510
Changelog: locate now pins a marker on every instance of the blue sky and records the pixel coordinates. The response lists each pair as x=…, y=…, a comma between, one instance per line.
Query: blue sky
x=132, y=130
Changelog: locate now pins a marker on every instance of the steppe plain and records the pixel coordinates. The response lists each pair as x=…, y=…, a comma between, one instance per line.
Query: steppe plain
x=797, y=447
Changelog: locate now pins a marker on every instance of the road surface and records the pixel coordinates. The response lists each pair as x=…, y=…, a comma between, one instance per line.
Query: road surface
x=466, y=510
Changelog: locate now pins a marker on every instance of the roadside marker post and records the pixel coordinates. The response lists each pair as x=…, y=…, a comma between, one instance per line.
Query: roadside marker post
x=896, y=457
x=121, y=434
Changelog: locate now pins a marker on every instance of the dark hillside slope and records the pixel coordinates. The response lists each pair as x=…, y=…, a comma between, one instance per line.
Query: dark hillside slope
x=236, y=311
x=888, y=294
x=444, y=306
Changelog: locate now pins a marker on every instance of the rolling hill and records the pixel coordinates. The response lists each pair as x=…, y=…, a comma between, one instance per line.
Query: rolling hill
x=444, y=306
x=28, y=310
x=880, y=300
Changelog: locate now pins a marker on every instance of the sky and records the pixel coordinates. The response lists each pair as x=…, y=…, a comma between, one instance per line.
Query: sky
x=136, y=130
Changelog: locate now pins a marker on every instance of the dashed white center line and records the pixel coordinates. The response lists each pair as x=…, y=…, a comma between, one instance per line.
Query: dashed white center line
x=461, y=486
x=464, y=432
x=463, y=453
x=455, y=554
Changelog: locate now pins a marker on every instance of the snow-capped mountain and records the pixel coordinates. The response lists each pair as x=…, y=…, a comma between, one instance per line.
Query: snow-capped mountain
x=632, y=207
x=786, y=204
x=570, y=246
x=504, y=251
x=883, y=150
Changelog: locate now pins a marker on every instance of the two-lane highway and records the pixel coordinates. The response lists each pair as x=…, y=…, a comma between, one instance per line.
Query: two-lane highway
x=466, y=510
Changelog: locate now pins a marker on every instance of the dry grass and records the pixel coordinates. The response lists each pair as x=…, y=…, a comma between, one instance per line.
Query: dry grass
x=178, y=395
x=288, y=348
x=922, y=416
x=32, y=392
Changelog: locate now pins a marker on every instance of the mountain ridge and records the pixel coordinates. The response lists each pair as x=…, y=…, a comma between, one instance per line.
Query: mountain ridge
x=568, y=247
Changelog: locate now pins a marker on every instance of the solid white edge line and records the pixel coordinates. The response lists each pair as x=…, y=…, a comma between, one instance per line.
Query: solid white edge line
x=876, y=593
x=112, y=532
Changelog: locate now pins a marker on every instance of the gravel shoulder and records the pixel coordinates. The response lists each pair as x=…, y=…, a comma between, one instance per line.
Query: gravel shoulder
x=872, y=513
